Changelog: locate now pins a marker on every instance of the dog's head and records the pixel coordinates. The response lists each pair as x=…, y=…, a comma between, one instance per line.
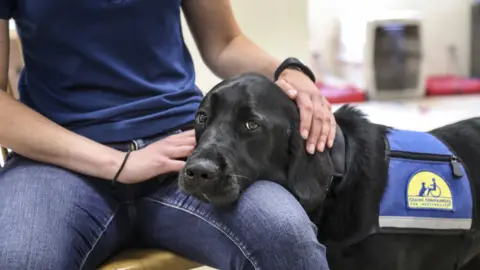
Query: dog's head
x=247, y=129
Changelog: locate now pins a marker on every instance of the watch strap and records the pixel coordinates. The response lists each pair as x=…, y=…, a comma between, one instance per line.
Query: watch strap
x=292, y=62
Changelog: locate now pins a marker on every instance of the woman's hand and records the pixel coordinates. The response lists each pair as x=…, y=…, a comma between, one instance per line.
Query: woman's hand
x=161, y=157
x=317, y=123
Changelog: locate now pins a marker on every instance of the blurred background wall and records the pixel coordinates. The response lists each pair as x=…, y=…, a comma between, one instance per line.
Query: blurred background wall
x=304, y=27
x=278, y=26
x=445, y=23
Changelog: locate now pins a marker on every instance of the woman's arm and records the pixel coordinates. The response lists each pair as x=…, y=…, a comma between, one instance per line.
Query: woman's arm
x=222, y=45
x=227, y=52
x=34, y=136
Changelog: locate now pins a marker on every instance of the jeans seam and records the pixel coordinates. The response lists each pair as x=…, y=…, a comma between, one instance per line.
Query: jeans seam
x=100, y=236
x=229, y=234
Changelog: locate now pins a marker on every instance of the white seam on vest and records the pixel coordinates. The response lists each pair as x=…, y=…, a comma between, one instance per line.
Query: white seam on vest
x=425, y=223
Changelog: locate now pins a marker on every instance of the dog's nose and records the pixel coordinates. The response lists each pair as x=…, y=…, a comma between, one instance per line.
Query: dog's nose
x=201, y=171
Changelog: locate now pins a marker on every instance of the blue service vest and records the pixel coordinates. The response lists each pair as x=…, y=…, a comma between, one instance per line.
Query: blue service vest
x=427, y=188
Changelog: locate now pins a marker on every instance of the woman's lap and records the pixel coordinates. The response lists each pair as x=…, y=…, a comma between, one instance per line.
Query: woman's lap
x=265, y=229
x=54, y=219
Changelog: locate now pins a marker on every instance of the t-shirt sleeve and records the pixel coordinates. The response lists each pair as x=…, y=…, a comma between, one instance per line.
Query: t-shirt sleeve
x=6, y=9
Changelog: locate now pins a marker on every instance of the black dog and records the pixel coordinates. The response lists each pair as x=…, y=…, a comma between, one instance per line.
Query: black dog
x=248, y=129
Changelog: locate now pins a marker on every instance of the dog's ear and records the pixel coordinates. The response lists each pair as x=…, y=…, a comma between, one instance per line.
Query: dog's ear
x=307, y=174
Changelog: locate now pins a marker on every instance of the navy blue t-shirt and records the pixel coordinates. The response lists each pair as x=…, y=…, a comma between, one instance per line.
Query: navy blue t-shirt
x=111, y=70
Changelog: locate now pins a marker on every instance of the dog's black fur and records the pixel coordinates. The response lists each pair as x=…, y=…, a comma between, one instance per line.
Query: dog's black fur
x=248, y=129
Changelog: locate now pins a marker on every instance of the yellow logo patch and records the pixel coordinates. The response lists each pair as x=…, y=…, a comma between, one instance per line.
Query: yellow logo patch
x=427, y=190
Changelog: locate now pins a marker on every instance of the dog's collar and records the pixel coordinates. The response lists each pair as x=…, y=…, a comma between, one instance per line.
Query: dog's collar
x=338, y=155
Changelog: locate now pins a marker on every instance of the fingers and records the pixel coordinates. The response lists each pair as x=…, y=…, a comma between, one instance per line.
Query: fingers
x=317, y=123
x=333, y=130
x=173, y=165
x=184, y=138
x=330, y=122
x=185, y=134
x=323, y=127
x=327, y=104
x=319, y=128
x=187, y=141
x=179, y=151
x=305, y=106
x=289, y=90
x=326, y=120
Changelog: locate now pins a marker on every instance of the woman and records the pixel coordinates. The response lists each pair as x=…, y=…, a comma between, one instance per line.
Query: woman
x=105, y=77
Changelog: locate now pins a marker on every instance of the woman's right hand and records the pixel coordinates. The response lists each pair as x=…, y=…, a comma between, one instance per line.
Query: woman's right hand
x=161, y=157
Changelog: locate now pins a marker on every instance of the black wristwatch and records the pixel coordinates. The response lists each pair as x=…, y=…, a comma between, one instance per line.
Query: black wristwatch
x=294, y=63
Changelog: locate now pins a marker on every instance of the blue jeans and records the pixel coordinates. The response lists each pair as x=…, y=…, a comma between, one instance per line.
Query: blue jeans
x=52, y=218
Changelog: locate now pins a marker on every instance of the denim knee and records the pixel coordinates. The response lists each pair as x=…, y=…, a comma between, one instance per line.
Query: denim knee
x=280, y=233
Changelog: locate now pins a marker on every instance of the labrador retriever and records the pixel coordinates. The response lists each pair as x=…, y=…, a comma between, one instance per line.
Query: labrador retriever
x=248, y=129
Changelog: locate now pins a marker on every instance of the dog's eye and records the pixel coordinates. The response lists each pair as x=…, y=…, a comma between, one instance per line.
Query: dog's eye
x=251, y=125
x=201, y=118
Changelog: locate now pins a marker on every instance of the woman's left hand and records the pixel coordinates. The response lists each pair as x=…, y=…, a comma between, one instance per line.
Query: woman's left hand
x=317, y=123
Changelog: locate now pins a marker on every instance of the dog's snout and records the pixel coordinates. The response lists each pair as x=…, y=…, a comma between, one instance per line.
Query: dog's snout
x=202, y=171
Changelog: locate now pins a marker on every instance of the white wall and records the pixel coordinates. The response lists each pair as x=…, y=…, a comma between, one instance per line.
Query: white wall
x=278, y=26
x=446, y=22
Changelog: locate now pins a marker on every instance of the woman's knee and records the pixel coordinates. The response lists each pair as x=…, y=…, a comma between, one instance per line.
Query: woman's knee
x=275, y=213
x=279, y=231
